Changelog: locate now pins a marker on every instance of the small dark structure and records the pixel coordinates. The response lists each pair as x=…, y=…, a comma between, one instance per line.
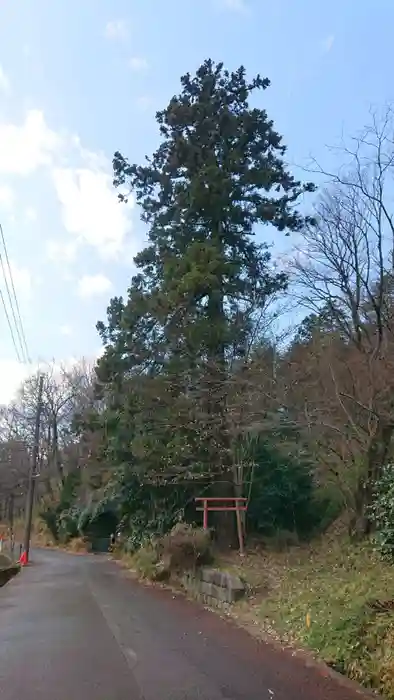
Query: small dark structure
x=100, y=529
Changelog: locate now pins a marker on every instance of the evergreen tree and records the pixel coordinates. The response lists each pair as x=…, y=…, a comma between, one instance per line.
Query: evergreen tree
x=218, y=173
x=327, y=322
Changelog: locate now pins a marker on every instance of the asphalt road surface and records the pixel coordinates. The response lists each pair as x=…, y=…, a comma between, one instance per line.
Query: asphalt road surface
x=77, y=628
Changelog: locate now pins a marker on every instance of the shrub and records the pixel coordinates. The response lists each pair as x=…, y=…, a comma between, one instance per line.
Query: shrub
x=185, y=547
x=327, y=506
x=382, y=513
x=140, y=530
x=42, y=536
x=146, y=562
x=79, y=544
x=67, y=523
x=49, y=517
x=146, y=510
x=62, y=517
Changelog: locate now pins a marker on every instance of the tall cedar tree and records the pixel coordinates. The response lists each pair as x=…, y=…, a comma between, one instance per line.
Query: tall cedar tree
x=218, y=172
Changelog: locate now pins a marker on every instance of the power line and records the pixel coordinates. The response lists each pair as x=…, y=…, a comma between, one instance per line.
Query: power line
x=14, y=293
x=10, y=326
x=18, y=324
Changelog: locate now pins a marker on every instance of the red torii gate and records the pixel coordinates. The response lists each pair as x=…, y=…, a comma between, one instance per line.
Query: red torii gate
x=229, y=504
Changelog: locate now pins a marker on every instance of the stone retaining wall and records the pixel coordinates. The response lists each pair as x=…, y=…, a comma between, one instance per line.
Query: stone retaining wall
x=214, y=587
x=8, y=569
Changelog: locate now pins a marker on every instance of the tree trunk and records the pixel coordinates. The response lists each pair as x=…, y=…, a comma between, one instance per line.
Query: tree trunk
x=225, y=522
x=56, y=454
x=222, y=471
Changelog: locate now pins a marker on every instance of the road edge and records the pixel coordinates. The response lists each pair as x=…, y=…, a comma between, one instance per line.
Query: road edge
x=304, y=656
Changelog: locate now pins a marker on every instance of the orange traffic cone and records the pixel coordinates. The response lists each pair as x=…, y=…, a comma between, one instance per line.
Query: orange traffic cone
x=23, y=559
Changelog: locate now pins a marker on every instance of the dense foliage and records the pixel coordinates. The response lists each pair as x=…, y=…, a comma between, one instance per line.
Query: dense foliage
x=282, y=494
x=382, y=512
x=62, y=517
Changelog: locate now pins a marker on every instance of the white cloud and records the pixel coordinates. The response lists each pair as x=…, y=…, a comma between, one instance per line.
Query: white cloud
x=4, y=81
x=12, y=374
x=91, y=210
x=328, y=43
x=138, y=63
x=93, y=285
x=235, y=6
x=61, y=251
x=31, y=214
x=65, y=330
x=116, y=29
x=144, y=102
x=7, y=197
x=25, y=148
x=22, y=279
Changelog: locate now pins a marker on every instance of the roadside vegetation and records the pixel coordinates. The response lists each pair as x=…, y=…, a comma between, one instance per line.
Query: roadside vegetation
x=333, y=597
x=236, y=367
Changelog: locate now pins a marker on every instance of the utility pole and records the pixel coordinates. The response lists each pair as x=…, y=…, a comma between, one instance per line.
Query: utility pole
x=11, y=522
x=33, y=471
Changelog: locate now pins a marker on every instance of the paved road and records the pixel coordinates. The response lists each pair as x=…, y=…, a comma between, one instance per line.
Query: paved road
x=77, y=628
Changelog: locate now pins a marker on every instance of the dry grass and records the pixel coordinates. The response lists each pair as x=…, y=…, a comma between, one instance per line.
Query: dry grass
x=184, y=548
x=41, y=535
x=146, y=563
x=78, y=545
x=323, y=598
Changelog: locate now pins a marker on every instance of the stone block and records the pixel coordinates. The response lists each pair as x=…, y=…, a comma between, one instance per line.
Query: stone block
x=215, y=585
x=225, y=580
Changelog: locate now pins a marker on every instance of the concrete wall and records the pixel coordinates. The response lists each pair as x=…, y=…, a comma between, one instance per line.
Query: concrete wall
x=214, y=587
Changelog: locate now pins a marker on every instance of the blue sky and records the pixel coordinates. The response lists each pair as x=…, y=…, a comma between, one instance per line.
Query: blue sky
x=81, y=79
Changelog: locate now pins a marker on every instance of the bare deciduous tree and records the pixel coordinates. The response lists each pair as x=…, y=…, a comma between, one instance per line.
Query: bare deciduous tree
x=344, y=268
x=68, y=392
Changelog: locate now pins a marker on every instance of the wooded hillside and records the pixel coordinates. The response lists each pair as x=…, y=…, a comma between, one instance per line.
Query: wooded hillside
x=228, y=368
